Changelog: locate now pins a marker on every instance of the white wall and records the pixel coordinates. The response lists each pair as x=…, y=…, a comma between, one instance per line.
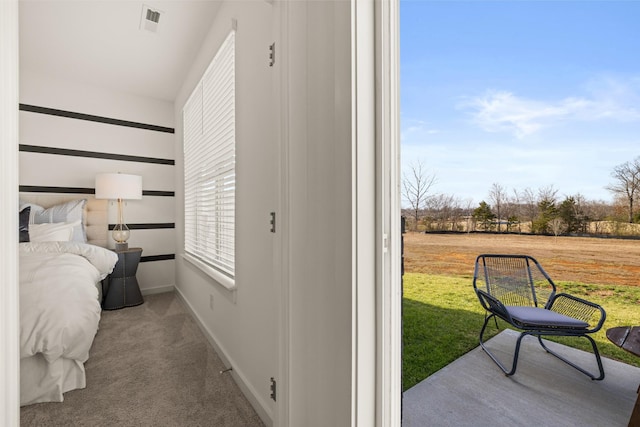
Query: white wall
x=318, y=177
x=56, y=170
x=320, y=155
x=242, y=323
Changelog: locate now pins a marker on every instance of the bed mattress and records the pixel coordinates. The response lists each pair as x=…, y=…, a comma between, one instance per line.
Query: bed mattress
x=59, y=315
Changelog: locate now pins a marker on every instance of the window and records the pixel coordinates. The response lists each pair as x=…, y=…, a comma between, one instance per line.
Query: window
x=209, y=163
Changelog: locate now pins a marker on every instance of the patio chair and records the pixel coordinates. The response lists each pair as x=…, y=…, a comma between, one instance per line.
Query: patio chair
x=516, y=289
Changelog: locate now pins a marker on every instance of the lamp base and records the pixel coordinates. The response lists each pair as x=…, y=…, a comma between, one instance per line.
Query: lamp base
x=122, y=246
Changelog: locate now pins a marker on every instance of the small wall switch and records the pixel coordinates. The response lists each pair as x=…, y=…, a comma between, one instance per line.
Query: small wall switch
x=211, y=301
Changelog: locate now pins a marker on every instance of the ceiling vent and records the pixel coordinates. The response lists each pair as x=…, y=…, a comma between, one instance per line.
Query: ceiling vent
x=149, y=19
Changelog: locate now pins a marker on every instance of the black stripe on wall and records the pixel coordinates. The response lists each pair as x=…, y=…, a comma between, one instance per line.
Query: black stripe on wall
x=92, y=118
x=79, y=190
x=93, y=154
x=158, y=193
x=157, y=257
x=62, y=190
x=149, y=226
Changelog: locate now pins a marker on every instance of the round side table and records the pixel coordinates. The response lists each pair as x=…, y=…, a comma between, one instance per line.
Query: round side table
x=122, y=288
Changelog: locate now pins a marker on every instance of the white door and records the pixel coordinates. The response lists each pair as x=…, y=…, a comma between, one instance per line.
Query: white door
x=256, y=194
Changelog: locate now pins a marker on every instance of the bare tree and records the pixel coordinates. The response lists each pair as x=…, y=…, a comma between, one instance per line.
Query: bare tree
x=627, y=185
x=457, y=214
x=468, y=214
x=597, y=212
x=514, y=212
x=557, y=226
x=497, y=195
x=528, y=204
x=547, y=194
x=442, y=209
x=580, y=212
x=415, y=189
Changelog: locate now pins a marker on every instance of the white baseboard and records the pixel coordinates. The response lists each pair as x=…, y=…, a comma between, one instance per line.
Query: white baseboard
x=250, y=393
x=157, y=290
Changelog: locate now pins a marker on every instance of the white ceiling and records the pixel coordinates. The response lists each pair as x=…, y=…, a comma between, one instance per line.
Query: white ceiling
x=99, y=42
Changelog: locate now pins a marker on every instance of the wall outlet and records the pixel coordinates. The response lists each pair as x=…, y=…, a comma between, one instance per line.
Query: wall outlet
x=211, y=301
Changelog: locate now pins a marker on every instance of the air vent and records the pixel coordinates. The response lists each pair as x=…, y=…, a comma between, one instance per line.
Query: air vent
x=150, y=19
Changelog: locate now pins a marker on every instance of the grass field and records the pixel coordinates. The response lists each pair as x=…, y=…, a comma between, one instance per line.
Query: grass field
x=577, y=259
x=442, y=316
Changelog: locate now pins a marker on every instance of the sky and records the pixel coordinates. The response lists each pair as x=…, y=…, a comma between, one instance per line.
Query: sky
x=525, y=94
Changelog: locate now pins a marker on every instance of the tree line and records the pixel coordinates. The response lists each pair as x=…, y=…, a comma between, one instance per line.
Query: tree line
x=540, y=211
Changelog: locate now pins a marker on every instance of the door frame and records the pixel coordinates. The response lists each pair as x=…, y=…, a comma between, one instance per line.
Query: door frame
x=388, y=218
x=377, y=353
x=9, y=299
x=377, y=310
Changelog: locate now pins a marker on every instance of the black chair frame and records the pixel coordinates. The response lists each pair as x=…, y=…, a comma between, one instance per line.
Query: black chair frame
x=522, y=282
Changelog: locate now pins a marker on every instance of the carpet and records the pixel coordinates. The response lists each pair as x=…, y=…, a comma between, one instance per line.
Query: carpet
x=150, y=365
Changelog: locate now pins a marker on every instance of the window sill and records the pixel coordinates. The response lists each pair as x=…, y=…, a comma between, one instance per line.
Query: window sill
x=225, y=281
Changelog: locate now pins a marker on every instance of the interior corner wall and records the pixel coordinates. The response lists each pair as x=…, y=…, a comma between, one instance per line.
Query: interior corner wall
x=70, y=131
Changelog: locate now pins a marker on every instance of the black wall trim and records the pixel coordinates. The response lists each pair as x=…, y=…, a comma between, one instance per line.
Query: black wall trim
x=79, y=190
x=158, y=193
x=92, y=118
x=149, y=226
x=63, y=190
x=157, y=257
x=93, y=154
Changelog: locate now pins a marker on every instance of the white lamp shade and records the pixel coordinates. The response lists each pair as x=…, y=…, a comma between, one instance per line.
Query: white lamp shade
x=115, y=186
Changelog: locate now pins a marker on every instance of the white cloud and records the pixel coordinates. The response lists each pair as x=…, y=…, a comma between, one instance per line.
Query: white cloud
x=502, y=111
x=415, y=128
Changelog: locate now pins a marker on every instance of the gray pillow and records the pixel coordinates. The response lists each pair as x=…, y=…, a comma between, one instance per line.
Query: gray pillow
x=66, y=212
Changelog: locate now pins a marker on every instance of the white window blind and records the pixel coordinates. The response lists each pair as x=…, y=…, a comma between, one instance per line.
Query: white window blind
x=209, y=163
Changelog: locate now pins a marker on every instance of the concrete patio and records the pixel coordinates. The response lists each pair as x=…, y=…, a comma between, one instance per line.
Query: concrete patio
x=472, y=391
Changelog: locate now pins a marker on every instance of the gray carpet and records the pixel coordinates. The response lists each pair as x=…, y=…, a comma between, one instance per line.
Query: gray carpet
x=544, y=391
x=150, y=365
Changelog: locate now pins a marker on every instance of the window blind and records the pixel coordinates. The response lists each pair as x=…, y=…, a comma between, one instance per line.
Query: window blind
x=209, y=162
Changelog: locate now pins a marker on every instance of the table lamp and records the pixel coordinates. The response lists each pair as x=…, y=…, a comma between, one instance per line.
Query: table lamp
x=119, y=186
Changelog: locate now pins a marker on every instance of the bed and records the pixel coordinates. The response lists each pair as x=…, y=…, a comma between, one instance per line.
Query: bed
x=61, y=269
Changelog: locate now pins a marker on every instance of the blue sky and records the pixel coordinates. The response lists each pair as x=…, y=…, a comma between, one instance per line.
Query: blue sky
x=526, y=94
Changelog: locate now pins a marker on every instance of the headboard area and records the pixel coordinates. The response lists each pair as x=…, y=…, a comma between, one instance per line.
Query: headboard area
x=95, y=216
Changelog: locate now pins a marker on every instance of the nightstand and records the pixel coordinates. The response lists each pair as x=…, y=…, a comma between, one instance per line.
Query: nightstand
x=120, y=289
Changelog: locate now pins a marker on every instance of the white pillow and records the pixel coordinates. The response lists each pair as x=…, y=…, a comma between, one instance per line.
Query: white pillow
x=52, y=232
x=64, y=212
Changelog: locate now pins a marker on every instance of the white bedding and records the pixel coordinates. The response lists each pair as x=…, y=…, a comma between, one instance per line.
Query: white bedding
x=59, y=306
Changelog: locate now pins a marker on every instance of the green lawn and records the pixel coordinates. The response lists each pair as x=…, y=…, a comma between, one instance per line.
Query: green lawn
x=442, y=319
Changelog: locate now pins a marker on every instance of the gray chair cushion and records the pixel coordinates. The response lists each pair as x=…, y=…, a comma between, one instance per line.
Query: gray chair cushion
x=535, y=316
